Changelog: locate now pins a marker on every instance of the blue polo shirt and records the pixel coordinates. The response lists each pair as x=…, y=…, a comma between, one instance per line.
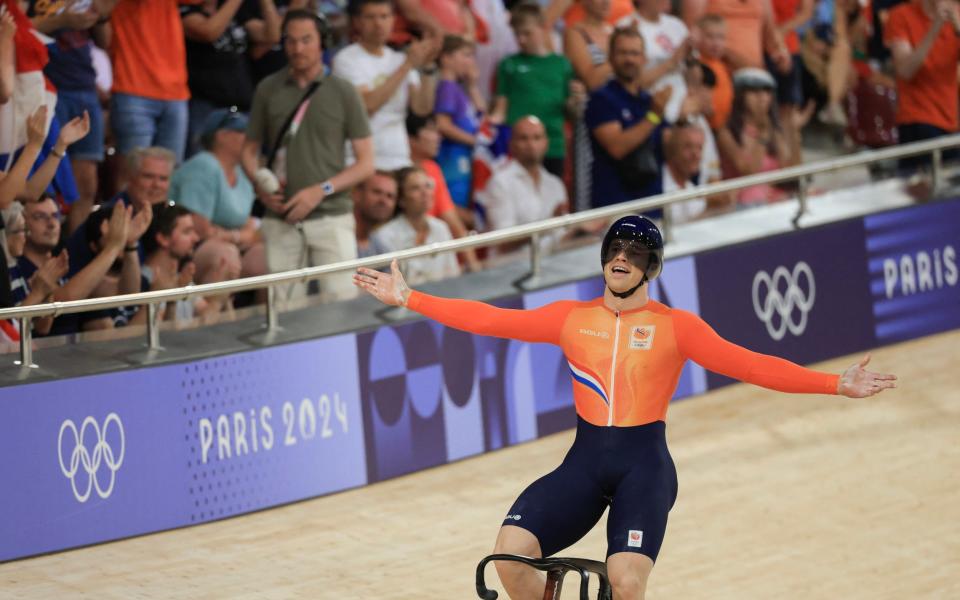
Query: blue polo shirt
x=610, y=103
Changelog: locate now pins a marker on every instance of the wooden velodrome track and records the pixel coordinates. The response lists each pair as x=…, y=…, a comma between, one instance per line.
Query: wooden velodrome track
x=780, y=497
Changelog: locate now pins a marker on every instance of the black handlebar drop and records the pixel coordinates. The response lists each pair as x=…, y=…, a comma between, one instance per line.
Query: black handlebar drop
x=555, y=568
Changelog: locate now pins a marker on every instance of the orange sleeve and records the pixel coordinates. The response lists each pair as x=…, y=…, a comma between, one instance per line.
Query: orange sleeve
x=700, y=343
x=542, y=324
x=442, y=202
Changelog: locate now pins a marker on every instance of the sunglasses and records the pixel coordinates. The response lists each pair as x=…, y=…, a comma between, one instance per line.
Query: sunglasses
x=636, y=253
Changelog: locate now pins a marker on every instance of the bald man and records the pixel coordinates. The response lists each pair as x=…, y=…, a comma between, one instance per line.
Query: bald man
x=522, y=190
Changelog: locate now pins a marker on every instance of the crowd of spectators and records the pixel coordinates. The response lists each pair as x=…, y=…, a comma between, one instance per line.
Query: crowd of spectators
x=151, y=144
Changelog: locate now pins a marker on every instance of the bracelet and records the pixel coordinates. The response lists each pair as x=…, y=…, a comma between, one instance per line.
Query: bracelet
x=653, y=118
x=59, y=155
x=131, y=248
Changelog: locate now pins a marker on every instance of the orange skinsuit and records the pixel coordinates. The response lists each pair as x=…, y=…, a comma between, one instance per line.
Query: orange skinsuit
x=625, y=366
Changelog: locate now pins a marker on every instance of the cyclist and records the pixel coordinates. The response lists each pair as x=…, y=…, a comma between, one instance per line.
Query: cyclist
x=625, y=353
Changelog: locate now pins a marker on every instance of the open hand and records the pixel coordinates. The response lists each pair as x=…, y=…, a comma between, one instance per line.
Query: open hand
x=139, y=224
x=660, y=99
x=48, y=276
x=857, y=382
x=389, y=288
x=119, y=226
x=8, y=27
x=420, y=53
x=77, y=128
x=37, y=126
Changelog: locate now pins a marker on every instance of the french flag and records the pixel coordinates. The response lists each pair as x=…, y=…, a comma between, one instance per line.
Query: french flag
x=32, y=90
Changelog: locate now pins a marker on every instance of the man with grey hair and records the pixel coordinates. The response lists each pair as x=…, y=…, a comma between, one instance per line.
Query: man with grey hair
x=150, y=170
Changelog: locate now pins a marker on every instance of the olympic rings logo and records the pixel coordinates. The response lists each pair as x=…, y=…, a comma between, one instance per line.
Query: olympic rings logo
x=783, y=304
x=90, y=460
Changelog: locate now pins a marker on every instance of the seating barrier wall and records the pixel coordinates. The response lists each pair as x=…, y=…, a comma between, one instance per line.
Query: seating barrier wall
x=103, y=457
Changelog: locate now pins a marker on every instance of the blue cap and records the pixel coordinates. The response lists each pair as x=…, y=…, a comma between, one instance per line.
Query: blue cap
x=223, y=118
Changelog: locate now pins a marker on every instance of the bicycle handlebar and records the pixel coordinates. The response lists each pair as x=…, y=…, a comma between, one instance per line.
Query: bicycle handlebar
x=559, y=566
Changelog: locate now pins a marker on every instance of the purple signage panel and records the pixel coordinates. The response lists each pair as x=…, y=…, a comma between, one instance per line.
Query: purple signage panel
x=110, y=456
x=914, y=279
x=804, y=296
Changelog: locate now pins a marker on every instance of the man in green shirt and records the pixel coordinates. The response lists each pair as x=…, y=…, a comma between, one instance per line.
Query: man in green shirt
x=309, y=219
x=535, y=82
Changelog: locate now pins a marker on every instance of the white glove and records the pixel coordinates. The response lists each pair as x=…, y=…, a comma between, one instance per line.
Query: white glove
x=266, y=180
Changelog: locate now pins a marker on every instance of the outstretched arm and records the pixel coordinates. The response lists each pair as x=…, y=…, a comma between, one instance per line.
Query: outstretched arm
x=539, y=325
x=699, y=342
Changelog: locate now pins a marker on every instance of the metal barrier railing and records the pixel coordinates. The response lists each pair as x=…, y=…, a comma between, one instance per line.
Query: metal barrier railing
x=532, y=231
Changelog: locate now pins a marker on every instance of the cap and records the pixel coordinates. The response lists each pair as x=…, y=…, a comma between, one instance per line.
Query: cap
x=754, y=78
x=223, y=118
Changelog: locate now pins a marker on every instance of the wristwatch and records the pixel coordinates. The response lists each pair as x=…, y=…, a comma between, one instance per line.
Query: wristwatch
x=327, y=188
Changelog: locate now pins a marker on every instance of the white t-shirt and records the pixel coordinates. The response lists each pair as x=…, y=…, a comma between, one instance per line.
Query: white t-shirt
x=398, y=234
x=710, y=160
x=661, y=39
x=681, y=212
x=388, y=124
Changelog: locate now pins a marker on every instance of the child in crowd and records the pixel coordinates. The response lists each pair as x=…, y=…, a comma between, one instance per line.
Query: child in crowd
x=458, y=108
x=535, y=82
x=712, y=47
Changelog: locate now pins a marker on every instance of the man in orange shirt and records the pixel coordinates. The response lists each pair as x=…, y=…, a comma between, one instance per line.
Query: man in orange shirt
x=149, y=102
x=625, y=354
x=923, y=38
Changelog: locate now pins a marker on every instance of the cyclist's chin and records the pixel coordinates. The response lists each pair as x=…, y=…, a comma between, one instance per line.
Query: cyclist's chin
x=621, y=282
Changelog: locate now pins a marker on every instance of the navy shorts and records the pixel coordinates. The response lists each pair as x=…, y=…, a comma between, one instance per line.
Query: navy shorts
x=789, y=84
x=628, y=469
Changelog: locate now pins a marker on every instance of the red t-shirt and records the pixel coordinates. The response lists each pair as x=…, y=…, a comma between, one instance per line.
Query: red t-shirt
x=783, y=11
x=931, y=96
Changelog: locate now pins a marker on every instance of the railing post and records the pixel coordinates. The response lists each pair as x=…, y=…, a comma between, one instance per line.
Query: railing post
x=153, y=328
x=26, y=344
x=937, y=171
x=534, y=256
x=802, y=186
x=667, y=222
x=273, y=322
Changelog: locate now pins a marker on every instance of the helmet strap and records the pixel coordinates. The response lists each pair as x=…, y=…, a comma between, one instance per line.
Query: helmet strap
x=631, y=291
